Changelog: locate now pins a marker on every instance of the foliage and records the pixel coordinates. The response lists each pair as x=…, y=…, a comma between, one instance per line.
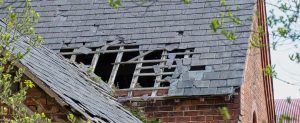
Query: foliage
x=17, y=25
x=218, y=24
x=225, y=113
x=269, y=71
x=282, y=20
x=115, y=3
x=287, y=118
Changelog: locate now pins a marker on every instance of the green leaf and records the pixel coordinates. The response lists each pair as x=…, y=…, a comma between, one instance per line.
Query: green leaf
x=269, y=71
x=186, y=1
x=224, y=111
x=215, y=25
x=29, y=83
x=223, y=2
x=282, y=31
x=115, y=3
x=230, y=35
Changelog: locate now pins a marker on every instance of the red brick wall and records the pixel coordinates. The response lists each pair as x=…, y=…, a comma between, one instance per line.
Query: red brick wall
x=253, y=100
x=192, y=110
x=38, y=101
x=252, y=90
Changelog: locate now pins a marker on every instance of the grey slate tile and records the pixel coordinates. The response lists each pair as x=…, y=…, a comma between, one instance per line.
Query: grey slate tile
x=218, y=83
x=202, y=83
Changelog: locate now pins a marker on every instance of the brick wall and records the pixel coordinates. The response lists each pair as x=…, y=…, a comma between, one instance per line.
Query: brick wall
x=192, y=110
x=38, y=101
x=252, y=90
x=253, y=100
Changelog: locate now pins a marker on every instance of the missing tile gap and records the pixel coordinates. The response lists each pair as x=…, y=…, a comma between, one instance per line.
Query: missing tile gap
x=180, y=33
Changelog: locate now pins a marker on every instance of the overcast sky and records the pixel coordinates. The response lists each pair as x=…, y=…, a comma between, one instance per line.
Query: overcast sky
x=286, y=69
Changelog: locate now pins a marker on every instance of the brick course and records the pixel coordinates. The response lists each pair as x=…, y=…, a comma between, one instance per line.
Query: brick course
x=189, y=110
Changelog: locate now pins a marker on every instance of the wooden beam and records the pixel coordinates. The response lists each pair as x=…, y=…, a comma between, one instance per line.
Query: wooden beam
x=135, y=78
x=141, y=55
x=151, y=67
x=159, y=77
x=99, y=46
x=144, y=89
x=153, y=74
x=95, y=60
x=104, y=51
x=143, y=61
x=115, y=67
x=73, y=57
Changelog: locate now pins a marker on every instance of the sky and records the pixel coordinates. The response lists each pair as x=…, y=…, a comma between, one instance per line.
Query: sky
x=286, y=69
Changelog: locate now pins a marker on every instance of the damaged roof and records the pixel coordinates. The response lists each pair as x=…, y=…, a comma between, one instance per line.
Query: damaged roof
x=156, y=24
x=72, y=85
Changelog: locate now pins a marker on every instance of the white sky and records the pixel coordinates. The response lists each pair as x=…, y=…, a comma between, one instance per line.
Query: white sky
x=286, y=69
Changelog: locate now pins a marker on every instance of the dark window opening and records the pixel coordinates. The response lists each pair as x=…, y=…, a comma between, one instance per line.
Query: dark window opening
x=147, y=71
x=125, y=71
x=124, y=76
x=131, y=47
x=129, y=55
x=169, y=70
x=85, y=59
x=66, y=50
x=104, y=65
x=180, y=33
x=145, y=81
x=164, y=84
x=113, y=48
x=67, y=56
x=197, y=68
x=149, y=64
x=155, y=55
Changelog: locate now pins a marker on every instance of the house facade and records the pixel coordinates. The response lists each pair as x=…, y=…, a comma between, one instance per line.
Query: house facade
x=163, y=57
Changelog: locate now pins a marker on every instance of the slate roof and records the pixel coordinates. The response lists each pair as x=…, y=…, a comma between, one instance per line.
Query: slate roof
x=74, y=23
x=73, y=86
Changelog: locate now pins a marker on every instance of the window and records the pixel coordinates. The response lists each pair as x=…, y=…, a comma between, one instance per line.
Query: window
x=127, y=67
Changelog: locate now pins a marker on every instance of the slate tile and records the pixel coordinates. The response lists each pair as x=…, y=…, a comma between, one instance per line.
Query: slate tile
x=185, y=83
x=211, y=75
x=202, y=83
x=217, y=83
x=188, y=92
x=234, y=82
x=225, y=90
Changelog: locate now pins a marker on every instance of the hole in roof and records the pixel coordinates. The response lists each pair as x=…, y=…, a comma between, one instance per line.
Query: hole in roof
x=85, y=59
x=67, y=44
x=145, y=81
x=169, y=70
x=147, y=71
x=180, y=33
x=164, y=84
x=104, y=66
x=83, y=43
x=96, y=25
x=131, y=47
x=66, y=50
x=154, y=55
x=197, y=68
x=113, y=48
x=125, y=71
